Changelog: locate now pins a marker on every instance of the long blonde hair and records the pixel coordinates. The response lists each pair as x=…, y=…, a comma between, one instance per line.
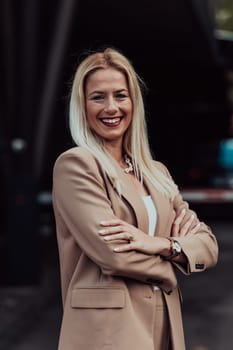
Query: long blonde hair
x=135, y=139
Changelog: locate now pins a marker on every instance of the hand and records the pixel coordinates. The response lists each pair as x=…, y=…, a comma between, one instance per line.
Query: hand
x=185, y=223
x=132, y=238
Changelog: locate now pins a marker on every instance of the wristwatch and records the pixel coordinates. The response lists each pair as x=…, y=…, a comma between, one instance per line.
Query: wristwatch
x=175, y=249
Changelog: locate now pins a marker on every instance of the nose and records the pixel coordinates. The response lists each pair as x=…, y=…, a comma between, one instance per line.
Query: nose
x=110, y=106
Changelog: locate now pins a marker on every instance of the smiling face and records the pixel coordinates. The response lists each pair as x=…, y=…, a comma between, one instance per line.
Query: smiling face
x=108, y=104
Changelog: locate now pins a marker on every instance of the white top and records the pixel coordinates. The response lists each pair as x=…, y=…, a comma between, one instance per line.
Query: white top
x=152, y=216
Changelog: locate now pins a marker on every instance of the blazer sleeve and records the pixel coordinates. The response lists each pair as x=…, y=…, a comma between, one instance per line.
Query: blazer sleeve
x=201, y=248
x=80, y=199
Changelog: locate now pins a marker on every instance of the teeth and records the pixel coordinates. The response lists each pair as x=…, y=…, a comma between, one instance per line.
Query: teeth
x=111, y=121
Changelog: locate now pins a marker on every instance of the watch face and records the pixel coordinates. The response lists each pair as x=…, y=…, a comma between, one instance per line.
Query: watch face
x=177, y=247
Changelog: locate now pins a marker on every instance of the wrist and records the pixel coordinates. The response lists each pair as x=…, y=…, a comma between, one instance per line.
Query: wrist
x=166, y=247
x=175, y=249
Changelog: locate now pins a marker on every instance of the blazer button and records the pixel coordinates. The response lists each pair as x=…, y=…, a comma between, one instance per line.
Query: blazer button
x=199, y=266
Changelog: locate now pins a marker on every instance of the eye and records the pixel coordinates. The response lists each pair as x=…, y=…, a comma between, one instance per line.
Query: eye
x=121, y=95
x=97, y=97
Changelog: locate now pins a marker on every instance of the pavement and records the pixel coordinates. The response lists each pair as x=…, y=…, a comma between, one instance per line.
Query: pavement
x=30, y=316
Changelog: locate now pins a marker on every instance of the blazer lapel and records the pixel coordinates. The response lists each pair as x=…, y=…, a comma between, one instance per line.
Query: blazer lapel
x=134, y=199
x=162, y=207
x=130, y=193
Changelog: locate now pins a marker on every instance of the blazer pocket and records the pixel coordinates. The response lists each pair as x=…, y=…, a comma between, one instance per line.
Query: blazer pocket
x=98, y=298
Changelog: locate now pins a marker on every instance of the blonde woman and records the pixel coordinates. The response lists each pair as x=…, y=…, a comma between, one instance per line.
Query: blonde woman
x=122, y=226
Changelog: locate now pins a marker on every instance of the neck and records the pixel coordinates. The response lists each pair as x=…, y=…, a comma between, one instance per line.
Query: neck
x=115, y=151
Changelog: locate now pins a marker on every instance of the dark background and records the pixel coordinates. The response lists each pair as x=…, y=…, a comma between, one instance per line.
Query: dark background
x=171, y=45
x=173, y=48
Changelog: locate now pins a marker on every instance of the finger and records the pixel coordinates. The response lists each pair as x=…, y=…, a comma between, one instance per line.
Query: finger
x=175, y=230
x=180, y=216
x=176, y=223
x=111, y=230
x=124, y=248
x=195, y=229
x=124, y=236
x=114, y=222
x=187, y=226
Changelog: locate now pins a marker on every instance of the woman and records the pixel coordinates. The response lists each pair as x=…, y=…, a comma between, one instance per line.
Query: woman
x=122, y=226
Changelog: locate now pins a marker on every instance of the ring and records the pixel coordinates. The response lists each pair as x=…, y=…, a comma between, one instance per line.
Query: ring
x=131, y=237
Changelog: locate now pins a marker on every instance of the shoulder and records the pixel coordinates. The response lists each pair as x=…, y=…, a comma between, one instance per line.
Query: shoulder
x=77, y=158
x=76, y=153
x=162, y=167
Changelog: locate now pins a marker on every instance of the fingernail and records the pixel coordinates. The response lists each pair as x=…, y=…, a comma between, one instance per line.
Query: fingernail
x=106, y=238
x=183, y=211
x=116, y=249
x=101, y=232
x=102, y=222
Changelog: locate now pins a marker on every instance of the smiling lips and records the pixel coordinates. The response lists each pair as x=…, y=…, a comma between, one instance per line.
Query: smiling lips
x=111, y=121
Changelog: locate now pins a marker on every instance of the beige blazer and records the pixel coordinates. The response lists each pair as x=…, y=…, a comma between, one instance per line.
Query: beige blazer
x=107, y=295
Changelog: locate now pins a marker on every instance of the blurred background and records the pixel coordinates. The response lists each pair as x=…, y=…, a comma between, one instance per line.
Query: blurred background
x=184, y=52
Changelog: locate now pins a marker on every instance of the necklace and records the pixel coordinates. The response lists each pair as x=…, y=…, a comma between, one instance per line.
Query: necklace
x=130, y=167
